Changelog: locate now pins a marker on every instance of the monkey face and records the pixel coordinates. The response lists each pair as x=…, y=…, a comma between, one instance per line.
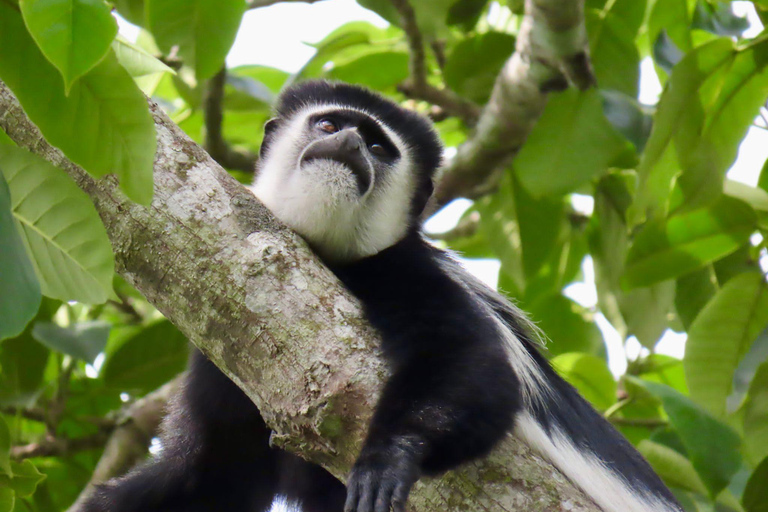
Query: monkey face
x=340, y=178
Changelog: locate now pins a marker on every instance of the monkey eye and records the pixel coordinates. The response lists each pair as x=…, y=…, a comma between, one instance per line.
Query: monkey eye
x=327, y=126
x=378, y=150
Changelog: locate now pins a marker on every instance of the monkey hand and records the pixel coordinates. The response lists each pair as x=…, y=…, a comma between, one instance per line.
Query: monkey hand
x=382, y=478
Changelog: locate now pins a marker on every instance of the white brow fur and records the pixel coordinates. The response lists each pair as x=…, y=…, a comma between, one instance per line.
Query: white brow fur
x=319, y=199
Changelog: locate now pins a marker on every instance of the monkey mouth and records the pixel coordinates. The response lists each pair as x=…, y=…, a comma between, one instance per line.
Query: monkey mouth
x=351, y=159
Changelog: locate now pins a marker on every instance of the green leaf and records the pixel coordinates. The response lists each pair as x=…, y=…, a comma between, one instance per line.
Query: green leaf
x=20, y=295
x=755, y=498
x=665, y=370
x=755, y=416
x=74, y=35
x=350, y=35
x=646, y=311
x=7, y=499
x=148, y=359
x=693, y=292
x=103, y=125
x=474, y=63
x=712, y=446
x=63, y=233
x=466, y=13
x=203, y=30
x=686, y=242
x=23, y=362
x=83, y=340
x=672, y=467
x=757, y=198
x=567, y=325
x=679, y=112
x=732, y=98
x=136, y=60
x=25, y=478
x=571, y=143
x=720, y=336
x=380, y=70
x=590, y=375
x=5, y=448
x=613, y=53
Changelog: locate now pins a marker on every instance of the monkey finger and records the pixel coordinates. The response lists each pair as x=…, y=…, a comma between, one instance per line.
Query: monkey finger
x=400, y=496
x=368, y=486
x=384, y=498
x=350, y=505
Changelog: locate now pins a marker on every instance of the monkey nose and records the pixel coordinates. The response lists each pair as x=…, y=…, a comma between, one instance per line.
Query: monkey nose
x=349, y=139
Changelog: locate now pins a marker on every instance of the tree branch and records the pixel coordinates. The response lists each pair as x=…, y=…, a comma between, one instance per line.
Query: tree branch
x=252, y=296
x=50, y=446
x=551, y=52
x=417, y=86
x=213, y=113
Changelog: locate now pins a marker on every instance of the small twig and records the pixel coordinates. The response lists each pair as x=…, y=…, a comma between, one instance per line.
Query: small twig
x=125, y=306
x=31, y=413
x=51, y=446
x=417, y=86
x=213, y=112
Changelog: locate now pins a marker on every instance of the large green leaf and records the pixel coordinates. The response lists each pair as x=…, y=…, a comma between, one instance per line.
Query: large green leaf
x=20, y=295
x=203, y=30
x=712, y=446
x=23, y=362
x=83, y=340
x=755, y=416
x=379, y=70
x=60, y=227
x=686, y=242
x=571, y=143
x=720, y=336
x=732, y=98
x=74, y=35
x=673, y=467
x=613, y=53
x=590, y=375
x=103, y=125
x=679, y=111
x=711, y=100
x=148, y=359
x=356, y=35
x=474, y=63
x=755, y=498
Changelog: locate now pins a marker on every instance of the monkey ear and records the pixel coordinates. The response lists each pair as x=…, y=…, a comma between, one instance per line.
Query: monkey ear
x=423, y=193
x=269, y=131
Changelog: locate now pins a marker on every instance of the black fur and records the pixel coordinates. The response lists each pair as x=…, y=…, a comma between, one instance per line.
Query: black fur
x=452, y=395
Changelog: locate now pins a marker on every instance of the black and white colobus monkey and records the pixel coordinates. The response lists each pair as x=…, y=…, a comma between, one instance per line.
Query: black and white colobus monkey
x=351, y=172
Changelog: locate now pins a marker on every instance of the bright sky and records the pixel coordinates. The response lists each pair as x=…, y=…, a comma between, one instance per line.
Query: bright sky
x=275, y=36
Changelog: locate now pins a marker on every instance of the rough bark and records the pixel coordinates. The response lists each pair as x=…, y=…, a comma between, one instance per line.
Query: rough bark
x=252, y=296
x=551, y=53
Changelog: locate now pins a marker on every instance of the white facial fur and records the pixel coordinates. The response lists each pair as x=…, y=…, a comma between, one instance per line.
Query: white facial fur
x=320, y=201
